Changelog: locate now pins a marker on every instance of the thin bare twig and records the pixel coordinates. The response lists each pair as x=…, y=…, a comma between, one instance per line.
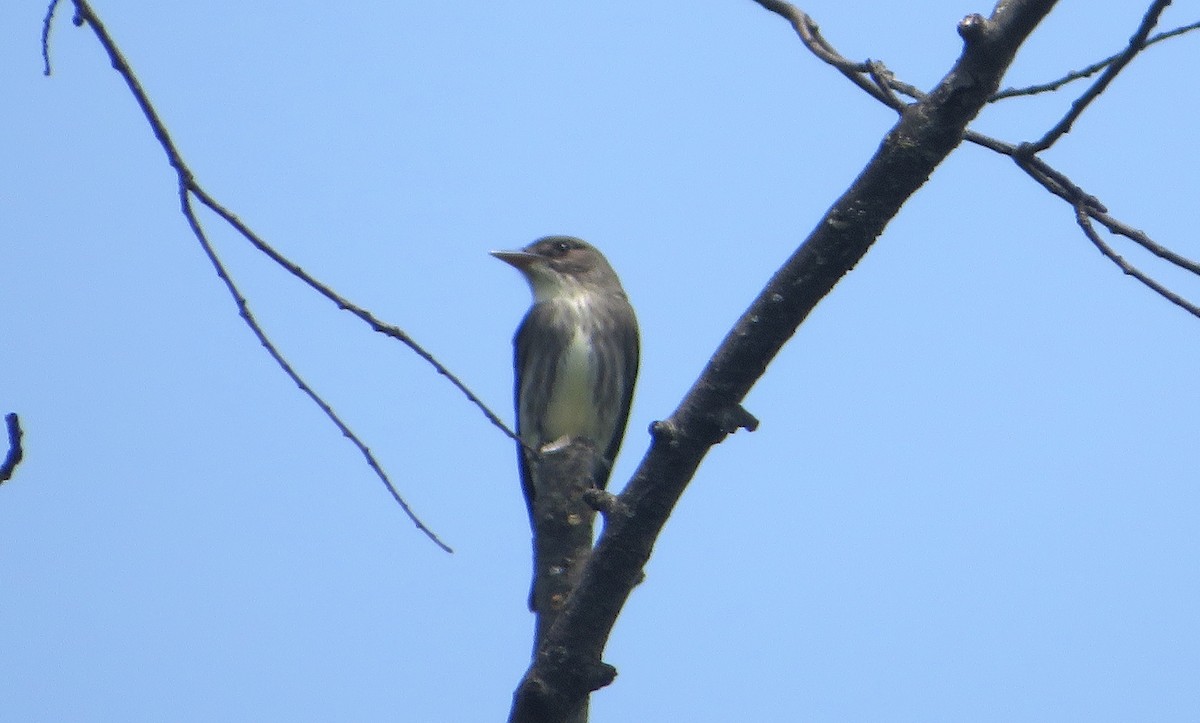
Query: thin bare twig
x=188, y=179
x=189, y=187
x=346, y=305
x=1050, y=178
x=185, y=202
x=1141, y=239
x=866, y=76
x=1136, y=44
x=1024, y=155
x=1082, y=217
x=1064, y=188
x=46, y=22
x=1090, y=70
x=883, y=80
x=15, y=451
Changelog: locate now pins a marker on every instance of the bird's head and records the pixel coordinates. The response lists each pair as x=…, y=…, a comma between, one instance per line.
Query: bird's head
x=561, y=265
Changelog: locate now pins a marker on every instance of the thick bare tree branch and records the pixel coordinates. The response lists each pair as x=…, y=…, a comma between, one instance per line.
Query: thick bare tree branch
x=563, y=528
x=569, y=664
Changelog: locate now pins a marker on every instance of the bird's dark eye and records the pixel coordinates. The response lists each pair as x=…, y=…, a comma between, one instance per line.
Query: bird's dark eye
x=561, y=248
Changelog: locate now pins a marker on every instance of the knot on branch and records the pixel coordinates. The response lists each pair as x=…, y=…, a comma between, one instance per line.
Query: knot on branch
x=665, y=432
x=730, y=419
x=581, y=674
x=973, y=28
x=545, y=698
x=709, y=427
x=606, y=503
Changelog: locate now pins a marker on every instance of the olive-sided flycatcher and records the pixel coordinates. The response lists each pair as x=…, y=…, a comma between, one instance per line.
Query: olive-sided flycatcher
x=576, y=353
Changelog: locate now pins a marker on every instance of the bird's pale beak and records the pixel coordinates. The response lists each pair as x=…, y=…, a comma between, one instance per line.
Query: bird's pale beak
x=520, y=259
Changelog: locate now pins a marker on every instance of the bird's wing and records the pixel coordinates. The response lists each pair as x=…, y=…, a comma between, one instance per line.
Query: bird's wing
x=537, y=351
x=620, y=358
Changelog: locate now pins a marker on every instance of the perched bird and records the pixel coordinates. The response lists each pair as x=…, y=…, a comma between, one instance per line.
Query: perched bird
x=576, y=354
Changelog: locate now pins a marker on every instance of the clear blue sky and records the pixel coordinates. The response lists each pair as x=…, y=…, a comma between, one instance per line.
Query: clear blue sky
x=973, y=495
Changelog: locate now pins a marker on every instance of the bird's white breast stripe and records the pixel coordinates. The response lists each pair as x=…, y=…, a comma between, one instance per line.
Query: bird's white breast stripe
x=570, y=412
